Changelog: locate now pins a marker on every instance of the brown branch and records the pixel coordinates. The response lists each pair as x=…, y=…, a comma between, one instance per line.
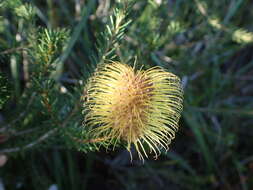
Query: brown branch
x=43, y=137
x=8, y=51
x=90, y=140
x=30, y=145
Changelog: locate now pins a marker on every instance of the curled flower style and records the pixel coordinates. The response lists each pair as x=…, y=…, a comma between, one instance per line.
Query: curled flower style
x=140, y=108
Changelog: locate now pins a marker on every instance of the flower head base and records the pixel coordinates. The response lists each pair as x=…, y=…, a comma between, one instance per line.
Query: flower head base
x=136, y=107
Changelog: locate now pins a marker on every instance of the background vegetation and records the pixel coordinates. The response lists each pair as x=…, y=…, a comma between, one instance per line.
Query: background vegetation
x=48, y=49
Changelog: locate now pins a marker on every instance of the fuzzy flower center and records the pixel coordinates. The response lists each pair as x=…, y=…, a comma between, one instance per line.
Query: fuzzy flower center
x=128, y=105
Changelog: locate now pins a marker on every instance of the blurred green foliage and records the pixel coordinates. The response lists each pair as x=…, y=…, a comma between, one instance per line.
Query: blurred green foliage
x=4, y=90
x=48, y=49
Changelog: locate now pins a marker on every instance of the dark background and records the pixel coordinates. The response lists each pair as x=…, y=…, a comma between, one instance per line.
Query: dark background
x=208, y=44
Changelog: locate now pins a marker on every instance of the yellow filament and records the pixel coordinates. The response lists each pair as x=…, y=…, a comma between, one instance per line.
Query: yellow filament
x=137, y=107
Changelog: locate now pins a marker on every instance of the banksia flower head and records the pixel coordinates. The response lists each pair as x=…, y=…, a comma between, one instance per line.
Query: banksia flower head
x=140, y=108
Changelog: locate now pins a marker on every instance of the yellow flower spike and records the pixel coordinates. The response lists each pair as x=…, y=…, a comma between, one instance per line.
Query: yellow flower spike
x=136, y=107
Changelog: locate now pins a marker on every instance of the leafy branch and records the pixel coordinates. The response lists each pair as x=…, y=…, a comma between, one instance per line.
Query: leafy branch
x=114, y=32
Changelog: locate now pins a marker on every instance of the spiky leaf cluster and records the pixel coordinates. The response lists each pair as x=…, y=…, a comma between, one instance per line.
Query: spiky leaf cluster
x=114, y=32
x=48, y=44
